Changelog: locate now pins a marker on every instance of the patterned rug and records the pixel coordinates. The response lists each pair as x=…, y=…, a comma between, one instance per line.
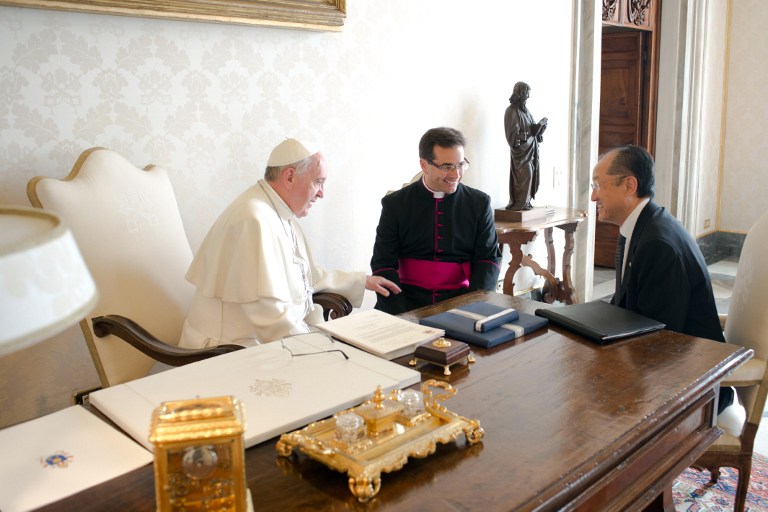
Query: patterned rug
x=692, y=491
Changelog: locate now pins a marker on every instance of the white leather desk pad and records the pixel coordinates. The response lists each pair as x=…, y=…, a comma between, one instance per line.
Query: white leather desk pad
x=280, y=392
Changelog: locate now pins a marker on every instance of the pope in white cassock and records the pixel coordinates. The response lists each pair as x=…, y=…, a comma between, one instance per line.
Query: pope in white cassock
x=254, y=273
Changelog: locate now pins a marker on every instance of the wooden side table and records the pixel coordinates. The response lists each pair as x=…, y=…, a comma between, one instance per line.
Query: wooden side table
x=516, y=234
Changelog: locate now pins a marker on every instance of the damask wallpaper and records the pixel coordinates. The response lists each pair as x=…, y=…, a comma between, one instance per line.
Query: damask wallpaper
x=208, y=102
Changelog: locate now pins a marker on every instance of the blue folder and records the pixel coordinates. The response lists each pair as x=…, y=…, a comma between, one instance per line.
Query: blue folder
x=459, y=324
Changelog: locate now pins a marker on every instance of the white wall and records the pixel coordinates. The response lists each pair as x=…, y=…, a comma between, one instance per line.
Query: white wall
x=712, y=72
x=208, y=102
x=745, y=171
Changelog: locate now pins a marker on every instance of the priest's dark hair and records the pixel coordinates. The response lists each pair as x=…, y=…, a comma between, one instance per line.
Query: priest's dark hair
x=443, y=137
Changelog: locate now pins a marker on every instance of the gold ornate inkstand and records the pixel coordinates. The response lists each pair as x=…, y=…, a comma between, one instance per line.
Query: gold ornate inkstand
x=443, y=353
x=380, y=434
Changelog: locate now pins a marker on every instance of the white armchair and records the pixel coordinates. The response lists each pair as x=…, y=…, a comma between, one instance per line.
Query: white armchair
x=746, y=325
x=127, y=224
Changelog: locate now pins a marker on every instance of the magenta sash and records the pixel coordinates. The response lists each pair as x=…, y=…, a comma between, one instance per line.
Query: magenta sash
x=434, y=275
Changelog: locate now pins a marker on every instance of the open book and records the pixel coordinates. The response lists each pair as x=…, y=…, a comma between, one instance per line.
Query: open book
x=538, y=128
x=380, y=333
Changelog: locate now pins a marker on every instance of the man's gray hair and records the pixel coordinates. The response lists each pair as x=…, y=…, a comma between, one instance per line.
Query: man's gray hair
x=271, y=173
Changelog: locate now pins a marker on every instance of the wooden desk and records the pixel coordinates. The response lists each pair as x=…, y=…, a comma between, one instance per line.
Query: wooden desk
x=517, y=234
x=568, y=425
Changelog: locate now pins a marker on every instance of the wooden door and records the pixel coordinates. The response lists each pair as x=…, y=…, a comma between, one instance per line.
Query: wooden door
x=621, y=90
x=627, y=109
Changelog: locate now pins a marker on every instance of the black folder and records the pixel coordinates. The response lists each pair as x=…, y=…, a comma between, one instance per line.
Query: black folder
x=600, y=321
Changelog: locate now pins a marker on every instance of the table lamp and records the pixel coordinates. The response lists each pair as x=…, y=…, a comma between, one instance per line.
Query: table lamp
x=45, y=285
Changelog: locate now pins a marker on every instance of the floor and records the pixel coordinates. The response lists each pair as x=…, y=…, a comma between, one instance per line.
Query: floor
x=722, y=274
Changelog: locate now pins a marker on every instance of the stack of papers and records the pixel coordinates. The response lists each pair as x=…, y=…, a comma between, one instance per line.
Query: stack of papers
x=380, y=333
x=55, y=456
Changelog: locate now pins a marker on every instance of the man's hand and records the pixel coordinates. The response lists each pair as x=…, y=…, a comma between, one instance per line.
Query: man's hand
x=381, y=285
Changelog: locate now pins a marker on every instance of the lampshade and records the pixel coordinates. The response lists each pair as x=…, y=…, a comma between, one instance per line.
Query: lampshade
x=45, y=285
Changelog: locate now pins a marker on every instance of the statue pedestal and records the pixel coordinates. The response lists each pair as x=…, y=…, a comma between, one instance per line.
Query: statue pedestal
x=538, y=212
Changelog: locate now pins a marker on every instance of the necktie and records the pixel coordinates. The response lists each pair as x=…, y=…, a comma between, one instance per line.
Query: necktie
x=620, y=243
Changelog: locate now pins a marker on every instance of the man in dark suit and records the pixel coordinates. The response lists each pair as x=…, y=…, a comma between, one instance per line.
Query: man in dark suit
x=661, y=273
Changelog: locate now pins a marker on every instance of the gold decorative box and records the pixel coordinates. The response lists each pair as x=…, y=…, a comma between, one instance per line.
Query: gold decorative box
x=389, y=430
x=199, y=455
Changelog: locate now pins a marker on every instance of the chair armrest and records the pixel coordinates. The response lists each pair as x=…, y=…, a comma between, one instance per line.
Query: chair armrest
x=333, y=304
x=749, y=374
x=131, y=332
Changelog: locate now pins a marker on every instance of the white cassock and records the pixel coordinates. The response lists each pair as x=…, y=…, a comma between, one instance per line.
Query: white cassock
x=254, y=276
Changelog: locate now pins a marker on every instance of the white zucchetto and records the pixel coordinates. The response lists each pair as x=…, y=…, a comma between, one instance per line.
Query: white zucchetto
x=289, y=152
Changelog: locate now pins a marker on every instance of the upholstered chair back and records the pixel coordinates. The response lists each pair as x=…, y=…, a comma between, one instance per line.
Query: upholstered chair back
x=127, y=224
x=747, y=323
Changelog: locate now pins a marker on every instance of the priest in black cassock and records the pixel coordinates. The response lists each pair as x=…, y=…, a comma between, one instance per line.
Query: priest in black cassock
x=436, y=237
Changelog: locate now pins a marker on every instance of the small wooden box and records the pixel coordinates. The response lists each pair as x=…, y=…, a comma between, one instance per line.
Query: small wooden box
x=444, y=353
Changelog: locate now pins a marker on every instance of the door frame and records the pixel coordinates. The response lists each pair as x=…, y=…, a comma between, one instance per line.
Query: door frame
x=681, y=51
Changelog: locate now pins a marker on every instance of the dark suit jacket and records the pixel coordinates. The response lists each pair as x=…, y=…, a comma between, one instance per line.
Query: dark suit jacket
x=666, y=278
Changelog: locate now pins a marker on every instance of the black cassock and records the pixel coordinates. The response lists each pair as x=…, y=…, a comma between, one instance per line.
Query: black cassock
x=423, y=241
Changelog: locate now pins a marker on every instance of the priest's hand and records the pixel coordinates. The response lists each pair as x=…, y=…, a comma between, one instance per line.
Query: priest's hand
x=381, y=285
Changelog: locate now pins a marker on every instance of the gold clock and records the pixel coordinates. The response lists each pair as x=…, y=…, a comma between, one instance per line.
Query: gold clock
x=199, y=455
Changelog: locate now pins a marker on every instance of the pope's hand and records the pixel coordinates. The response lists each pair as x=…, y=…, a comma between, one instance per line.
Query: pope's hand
x=381, y=285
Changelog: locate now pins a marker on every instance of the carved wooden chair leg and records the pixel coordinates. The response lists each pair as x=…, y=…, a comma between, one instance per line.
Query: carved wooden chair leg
x=741, y=490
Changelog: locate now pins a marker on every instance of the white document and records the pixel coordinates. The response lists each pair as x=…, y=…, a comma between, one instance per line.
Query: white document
x=61, y=454
x=282, y=385
x=380, y=333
